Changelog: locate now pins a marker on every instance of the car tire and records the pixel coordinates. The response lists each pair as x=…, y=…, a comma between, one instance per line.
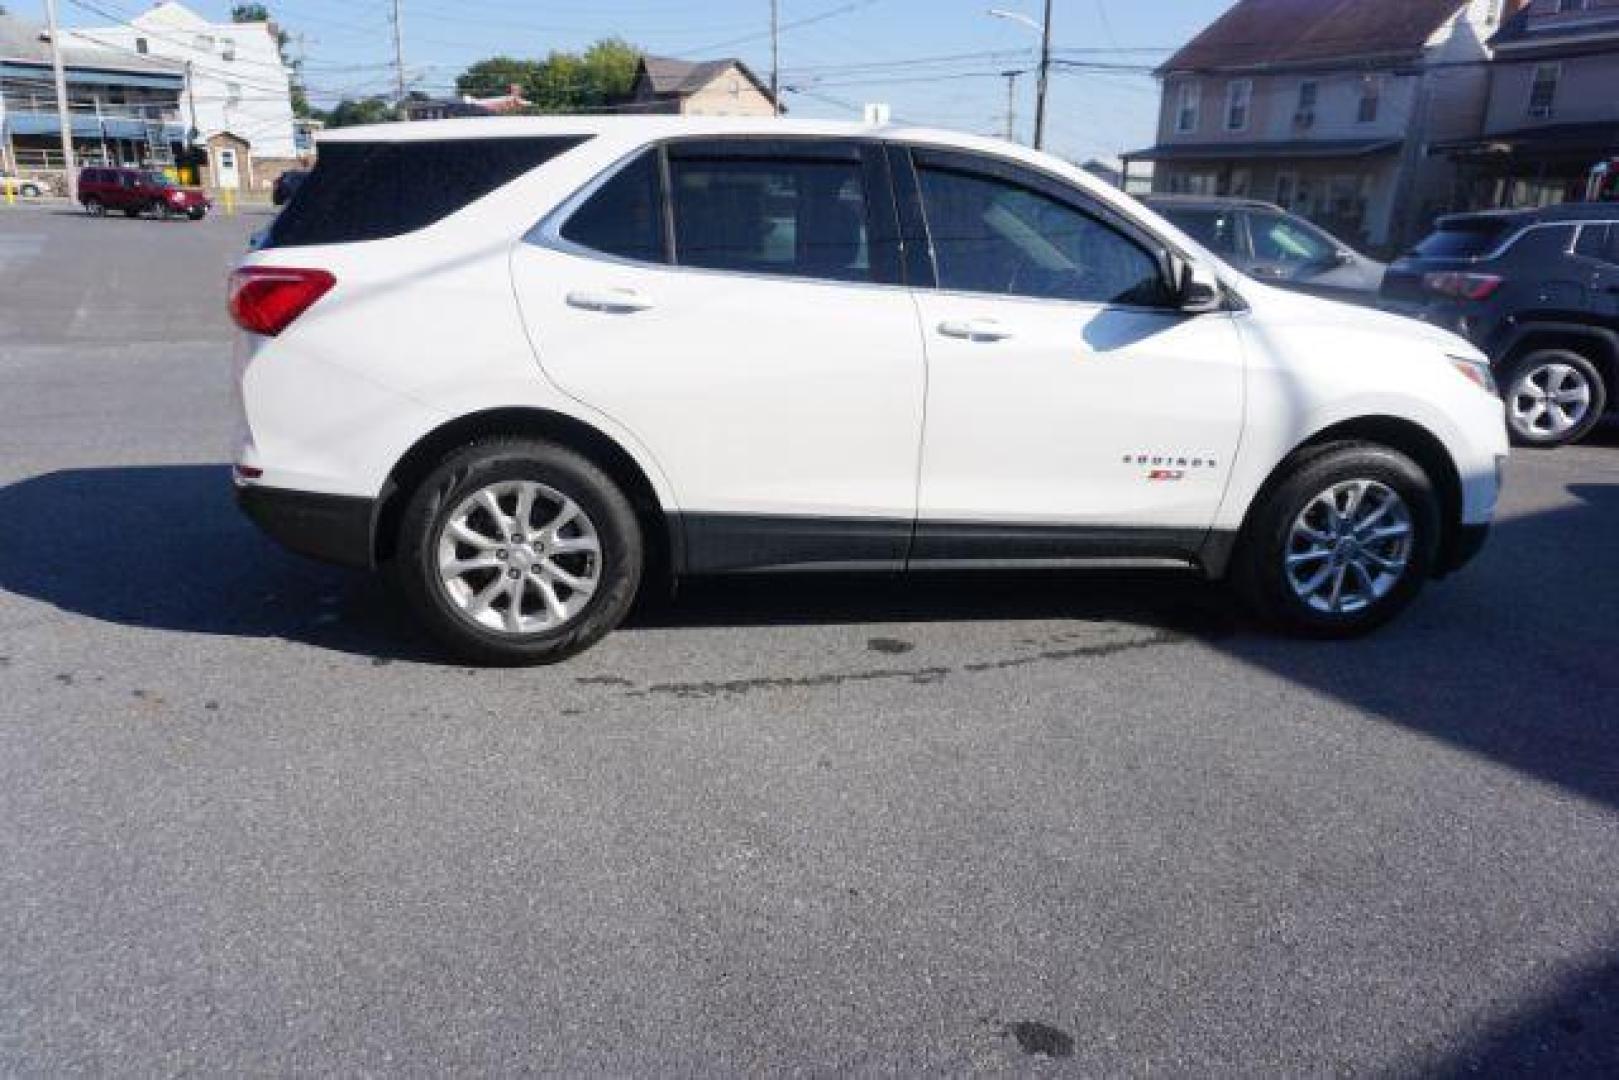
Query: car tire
x=572, y=576
x=94, y=207
x=1553, y=396
x=196, y=213
x=1343, y=571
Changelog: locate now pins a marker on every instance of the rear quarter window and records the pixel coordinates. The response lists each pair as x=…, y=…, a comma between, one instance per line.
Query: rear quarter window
x=373, y=191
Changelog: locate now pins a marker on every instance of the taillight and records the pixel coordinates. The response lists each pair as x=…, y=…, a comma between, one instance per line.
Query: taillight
x=1460, y=285
x=266, y=299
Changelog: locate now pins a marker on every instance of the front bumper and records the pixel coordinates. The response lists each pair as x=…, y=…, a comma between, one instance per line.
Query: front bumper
x=332, y=528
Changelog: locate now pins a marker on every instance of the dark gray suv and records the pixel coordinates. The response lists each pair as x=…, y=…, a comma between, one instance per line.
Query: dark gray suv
x=1538, y=290
x=1271, y=245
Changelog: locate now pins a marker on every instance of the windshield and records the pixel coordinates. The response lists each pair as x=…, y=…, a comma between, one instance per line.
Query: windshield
x=1462, y=239
x=157, y=179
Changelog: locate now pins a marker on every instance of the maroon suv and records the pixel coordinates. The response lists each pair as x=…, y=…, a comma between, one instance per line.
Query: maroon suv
x=139, y=191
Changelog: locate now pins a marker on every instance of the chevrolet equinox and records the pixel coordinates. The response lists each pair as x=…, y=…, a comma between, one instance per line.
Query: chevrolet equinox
x=520, y=363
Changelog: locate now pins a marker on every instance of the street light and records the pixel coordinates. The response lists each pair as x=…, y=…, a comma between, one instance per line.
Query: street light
x=1044, y=30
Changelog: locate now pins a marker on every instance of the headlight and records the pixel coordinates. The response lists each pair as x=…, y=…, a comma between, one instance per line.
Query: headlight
x=1476, y=372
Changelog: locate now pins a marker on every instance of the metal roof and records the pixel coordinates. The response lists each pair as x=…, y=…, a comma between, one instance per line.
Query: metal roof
x=23, y=42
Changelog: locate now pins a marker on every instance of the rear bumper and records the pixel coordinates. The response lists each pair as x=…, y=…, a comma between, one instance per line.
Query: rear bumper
x=332, y=528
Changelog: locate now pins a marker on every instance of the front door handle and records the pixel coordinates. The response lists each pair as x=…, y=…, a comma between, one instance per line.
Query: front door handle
x=975, y=329
x=611, y=301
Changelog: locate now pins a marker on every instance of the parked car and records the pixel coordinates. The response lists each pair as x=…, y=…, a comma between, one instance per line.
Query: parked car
x=139, y=191
x=1274, y=246
x=287, y=185
x=1538, y=291
x=20, y=186
x=523, y=364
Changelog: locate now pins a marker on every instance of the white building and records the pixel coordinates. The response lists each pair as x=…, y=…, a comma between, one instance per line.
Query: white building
x=238, y=91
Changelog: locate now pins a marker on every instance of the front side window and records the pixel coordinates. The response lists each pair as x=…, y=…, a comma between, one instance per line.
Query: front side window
x=993, y=236
x=1279, y=239
x=624, y=217
x=1238, y=100
x=771, y=215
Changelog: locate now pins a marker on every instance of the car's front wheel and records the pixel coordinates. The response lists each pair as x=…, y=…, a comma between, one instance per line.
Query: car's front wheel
x=1553, y=397
x=518, y=551
x=1343, y=544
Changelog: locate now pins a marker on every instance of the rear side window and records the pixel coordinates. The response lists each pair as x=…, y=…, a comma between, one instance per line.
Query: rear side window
x=1463, y=240
x=624, y=217
x=1214, y=229
x=787, y=216
x=372, y=191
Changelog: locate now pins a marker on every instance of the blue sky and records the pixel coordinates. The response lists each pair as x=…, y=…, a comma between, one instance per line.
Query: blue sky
x=845, y=52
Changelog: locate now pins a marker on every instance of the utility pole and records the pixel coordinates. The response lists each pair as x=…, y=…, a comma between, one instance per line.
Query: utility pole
x=399, y=55
x=775, y=55
x=64, y=117
x=1011, y=104
x=1045, y=81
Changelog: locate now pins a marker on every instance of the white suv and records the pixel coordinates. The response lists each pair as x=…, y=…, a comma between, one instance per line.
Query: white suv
x=524, y=362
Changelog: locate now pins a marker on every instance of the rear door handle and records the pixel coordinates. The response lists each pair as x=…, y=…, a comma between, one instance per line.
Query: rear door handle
x=610, y=301
x=975, y=329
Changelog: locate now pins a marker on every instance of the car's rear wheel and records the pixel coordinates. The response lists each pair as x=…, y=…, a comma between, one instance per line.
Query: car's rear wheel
x=95, y=207
x=1554, y=397
x=1343, y=544
x=518, y=551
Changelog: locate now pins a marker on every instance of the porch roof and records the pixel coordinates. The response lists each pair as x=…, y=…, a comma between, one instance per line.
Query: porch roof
x=1248, y=151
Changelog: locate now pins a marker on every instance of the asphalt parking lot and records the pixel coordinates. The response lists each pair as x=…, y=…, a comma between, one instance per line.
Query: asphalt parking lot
x=250, y=822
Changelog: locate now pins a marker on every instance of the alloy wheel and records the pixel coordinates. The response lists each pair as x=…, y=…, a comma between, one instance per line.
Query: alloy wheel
x=518, y=557
x=1549, y=400
x=1349, y=547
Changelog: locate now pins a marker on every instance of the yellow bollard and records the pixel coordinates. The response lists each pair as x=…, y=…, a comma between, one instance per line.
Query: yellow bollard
x=230, y=202
x=11, y=195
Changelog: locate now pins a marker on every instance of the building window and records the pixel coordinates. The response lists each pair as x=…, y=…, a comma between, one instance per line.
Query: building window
x=1543, y=91
x=1239, y=95
x=233, y=93
x=228, y=49
x=1566, y=6
x=1241, y=184
x=1309, y=92
x=204, y=42
x=141, y=46
x=1287, y=186
x=1188, y=103
x=1370, y=99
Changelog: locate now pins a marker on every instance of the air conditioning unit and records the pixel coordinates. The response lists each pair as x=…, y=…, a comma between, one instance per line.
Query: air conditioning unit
x=1304, y=118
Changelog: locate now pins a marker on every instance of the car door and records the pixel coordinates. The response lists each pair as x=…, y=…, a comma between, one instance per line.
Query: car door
x=737, y=305
x=1072, y=409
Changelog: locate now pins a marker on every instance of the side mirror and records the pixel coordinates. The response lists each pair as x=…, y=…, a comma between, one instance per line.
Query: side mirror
x=1196, y=288
x=1344, y=258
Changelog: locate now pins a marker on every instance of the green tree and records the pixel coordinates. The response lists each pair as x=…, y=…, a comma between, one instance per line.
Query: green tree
x=258, y=13
x=602, y=75
x=492, y=77
x=350, y=112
